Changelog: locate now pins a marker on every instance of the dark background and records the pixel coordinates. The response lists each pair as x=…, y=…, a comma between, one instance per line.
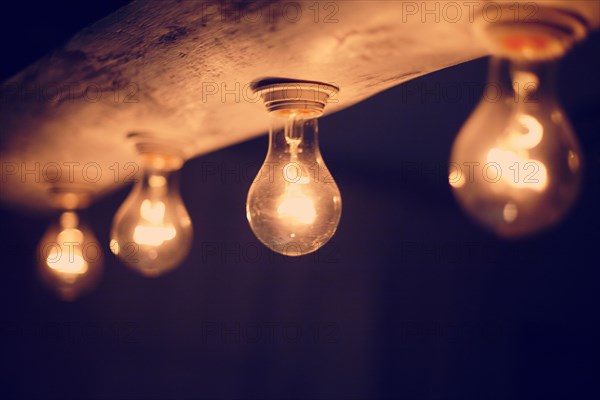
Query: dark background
x=410, y=300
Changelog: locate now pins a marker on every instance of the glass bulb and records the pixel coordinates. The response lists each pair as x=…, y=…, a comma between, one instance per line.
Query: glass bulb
x=516, y=164
x=294, y=205
x=69, y=257
x=152, y=231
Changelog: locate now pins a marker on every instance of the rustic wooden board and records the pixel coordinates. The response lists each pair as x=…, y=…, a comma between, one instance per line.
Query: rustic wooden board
x=183, y=70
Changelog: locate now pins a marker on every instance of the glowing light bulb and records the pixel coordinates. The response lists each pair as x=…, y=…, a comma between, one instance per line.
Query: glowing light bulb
x=152, y=231
x=69, y=257
x=294, y=205
x=516, y=164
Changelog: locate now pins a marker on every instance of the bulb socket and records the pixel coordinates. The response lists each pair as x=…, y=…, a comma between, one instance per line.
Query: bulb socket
x=69, y=197
x=302, y=99
x=160, y=153
x=528, y=32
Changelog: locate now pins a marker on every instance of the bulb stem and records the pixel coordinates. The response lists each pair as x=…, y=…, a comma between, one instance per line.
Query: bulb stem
x=293, y=135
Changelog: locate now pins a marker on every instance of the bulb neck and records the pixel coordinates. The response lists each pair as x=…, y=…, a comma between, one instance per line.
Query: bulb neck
x=69, y=220
x=159, y=183
x=293, y=139
x=522, y=83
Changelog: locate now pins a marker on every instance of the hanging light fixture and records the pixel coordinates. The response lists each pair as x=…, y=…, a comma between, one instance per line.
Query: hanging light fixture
x=294, y=205
x=152, y=231
x=516, y=164
x=69, y=258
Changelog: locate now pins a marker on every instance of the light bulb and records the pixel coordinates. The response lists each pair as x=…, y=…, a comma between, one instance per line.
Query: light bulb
x=294, y=205
x=516, y=165
x=69, y=257
x=152, y=231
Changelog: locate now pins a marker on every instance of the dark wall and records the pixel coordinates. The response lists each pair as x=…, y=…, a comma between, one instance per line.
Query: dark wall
x=409, y=300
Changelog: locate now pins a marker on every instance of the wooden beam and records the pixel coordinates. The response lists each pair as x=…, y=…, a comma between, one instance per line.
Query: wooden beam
x=182, y=69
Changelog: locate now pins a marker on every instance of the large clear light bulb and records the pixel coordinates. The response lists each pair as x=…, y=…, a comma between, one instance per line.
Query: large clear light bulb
x=516, y=165
x=294, y=205
x=152, y=231
x=69, y=257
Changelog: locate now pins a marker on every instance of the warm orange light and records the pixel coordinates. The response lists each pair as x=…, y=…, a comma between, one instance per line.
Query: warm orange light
x=515, y=166
x=526, y=41
x=519, y=171
x=296, y=207
x=152, y=231
x=70, y=257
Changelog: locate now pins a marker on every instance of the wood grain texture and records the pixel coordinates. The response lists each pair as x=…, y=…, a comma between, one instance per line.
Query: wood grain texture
x=182, y=70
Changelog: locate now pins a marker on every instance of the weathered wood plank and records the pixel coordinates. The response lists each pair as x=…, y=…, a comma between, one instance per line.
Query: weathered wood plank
x=183, y=69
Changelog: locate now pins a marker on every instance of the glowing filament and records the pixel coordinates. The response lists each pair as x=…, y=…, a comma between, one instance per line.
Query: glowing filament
x=519, y=171
x=516, y=168
x=68, y=258
x=153, y=213
x=155, y=232
x=296, y=207
x=528, y=135
x=153, y=235
x=66, y=263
